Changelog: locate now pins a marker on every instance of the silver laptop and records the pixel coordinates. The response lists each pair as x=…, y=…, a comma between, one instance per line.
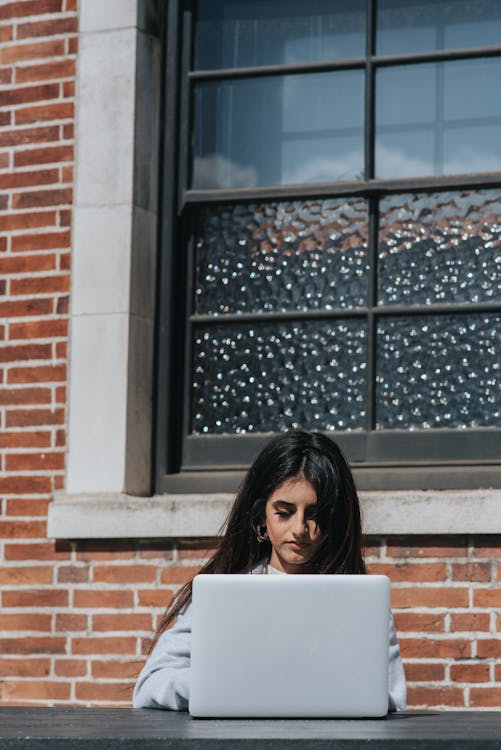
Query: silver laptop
x=290, y=646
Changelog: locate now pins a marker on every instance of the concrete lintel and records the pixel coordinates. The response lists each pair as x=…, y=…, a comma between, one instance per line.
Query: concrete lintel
x=115, y=515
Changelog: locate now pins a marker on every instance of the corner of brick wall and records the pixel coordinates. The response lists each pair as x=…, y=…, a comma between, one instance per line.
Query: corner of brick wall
x=76, y=618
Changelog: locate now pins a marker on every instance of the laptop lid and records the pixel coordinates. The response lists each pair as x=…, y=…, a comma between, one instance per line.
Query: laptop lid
x=290, y=645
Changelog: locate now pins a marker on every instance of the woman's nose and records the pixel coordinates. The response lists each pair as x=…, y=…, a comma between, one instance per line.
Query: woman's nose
x=300, y=527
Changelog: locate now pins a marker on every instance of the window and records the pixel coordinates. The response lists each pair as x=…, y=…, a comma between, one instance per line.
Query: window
x=332, y=245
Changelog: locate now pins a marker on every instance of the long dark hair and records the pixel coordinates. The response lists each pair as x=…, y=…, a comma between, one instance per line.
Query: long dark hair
x=297, y=453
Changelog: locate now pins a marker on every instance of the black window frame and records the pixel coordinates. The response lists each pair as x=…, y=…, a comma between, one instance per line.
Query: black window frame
x=381, y=460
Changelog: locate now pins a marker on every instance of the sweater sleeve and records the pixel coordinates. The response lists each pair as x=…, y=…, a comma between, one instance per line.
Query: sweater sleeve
x=396, y=678
x=164, y=681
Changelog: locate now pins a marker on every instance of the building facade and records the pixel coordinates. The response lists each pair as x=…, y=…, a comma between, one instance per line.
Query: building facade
x=219, y=221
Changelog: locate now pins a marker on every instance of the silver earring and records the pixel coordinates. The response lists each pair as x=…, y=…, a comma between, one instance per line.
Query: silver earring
x=262, y=534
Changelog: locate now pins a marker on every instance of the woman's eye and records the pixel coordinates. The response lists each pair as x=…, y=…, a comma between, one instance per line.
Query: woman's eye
x=283, y=513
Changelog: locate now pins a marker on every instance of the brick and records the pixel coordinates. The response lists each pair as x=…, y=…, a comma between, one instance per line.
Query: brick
x=38, y=329
x=27, y=507
x=69, y=89
x=470, y=673
x=4, y=203
x=34, y=461
x=36, y=551
x=24, y=667
x=155, y=598
x=485, y=697
x=30, y=8
x=72, y=45
x=419, y=622
x=101, y=551
x=125, y=573
x=41, y=241
x=32, y=645
x=44, y=112
x=46, y=155
x=498, y=672
x=45, y=71
x=104, y=645
x=435, y=597
x=18, y=136
x=60, y=438
x=26, y=576
x=26, y=689
x=26, y=220
x=33, y=51
x=23, y=529
x=73, y=574
x=24, y=439
x=67, y=174
x=489, y=648
x=470, y=621
x=424, y=672
x=478, y=572
x=402, y=572
x=6, y=76
x=120, y=621
x=6, y=33
x=427, y=547
x=106, y=691
x=5, y=119
x=63, y=305
x=177, y=575
x=25, y=351
x=434, y=697
x=35, y=598
x=42, y=198
x=113, y=669
x=21, y=395
x=156, y=553
x=28, y=94
x=68, y=131
x=42, y=374
x=492, y=550
x=69, y=622
x=25, y=308
x=47, y=28
x=423, y=648
x=61, y=350
x=41, y=284
x=70, y=667
x=94, y=599
x=11, y=264
x=34, y=417
x=4, y=157
x=487, y=597
x=25, y=622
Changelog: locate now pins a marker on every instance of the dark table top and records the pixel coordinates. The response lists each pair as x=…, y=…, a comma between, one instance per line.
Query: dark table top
x=73, y=728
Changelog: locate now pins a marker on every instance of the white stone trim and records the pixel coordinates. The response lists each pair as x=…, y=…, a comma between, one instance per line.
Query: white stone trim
x=114, y=516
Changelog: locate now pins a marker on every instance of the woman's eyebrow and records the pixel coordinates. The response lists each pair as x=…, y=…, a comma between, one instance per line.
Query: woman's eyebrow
x=291, y=505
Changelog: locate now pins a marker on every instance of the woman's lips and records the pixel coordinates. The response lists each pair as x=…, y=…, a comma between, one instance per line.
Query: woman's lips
x=298, y=545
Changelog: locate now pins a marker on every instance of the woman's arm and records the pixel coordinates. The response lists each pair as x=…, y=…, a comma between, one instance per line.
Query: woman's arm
x=164, y=681
x=397, y=686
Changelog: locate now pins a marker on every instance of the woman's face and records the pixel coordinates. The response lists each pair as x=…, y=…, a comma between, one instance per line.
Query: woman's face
x=290, y=518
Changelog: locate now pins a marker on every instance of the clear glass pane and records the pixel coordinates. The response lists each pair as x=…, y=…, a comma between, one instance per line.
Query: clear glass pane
x=237, y=33
x=442, y=247
x=300, y=255
x=264, y=378
x=279, y=130
x=438, y=118
x=407, y=26
x=439, y=371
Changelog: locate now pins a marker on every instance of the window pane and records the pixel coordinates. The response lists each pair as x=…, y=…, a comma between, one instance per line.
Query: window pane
x=439, y=371
x=407, y=26
x=263, y=378
x=299, y=255
x=236, y=33
x=442, y=118
x=443, y=247
x=279, y=130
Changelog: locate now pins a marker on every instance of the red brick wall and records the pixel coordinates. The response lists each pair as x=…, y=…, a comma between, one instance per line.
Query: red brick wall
x=75, y=619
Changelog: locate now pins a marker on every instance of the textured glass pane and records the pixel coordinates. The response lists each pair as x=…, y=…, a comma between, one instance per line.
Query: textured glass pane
x=438, y=118
x=237, y=33
x=279, y=129
x=443, y=247
x=279, y=375
x=439, y=372
x=297, y=255
x=406, y=26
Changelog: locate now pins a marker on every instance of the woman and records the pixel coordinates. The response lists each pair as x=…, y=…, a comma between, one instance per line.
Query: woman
x=297, y=511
